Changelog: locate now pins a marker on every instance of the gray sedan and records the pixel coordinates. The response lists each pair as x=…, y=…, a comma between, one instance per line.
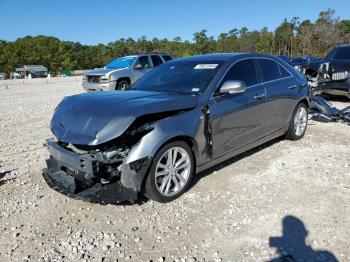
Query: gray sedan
x=182, y=118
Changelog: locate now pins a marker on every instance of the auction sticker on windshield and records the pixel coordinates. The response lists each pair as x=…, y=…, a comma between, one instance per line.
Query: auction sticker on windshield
x=206, y=66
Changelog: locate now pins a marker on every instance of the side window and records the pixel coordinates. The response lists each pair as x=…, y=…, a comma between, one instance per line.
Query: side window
x=243, y=71
x=143, y=62
x=283, y=71
x=156, y=60
x=269, y=69
x=167, y=58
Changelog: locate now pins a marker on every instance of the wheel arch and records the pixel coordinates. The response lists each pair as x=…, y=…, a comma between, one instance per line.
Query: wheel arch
x=183, y=138
x=121, y=79
x=188, y=140
x=304, y=100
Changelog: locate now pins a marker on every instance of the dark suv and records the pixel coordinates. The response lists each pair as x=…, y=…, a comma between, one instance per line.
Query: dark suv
x=185, y=116
x=331, y=75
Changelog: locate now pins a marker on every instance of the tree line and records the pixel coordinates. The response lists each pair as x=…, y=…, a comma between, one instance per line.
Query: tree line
x=292, y=38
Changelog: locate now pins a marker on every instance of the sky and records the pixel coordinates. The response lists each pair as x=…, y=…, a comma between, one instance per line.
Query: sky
x=103, y=21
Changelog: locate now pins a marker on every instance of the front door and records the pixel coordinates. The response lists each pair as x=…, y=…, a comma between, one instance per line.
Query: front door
x=238, y=119
x=141, y=67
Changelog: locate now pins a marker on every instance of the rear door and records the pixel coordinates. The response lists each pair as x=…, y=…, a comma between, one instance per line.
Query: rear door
x=238, y=119
x=281, y=90
x=156, y=60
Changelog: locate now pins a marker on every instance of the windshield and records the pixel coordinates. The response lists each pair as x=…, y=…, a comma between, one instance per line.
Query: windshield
x=339, y=53
x=185, y=77
x=122, y=62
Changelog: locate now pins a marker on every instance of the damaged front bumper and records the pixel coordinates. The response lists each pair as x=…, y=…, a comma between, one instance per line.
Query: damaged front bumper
x=84, y=177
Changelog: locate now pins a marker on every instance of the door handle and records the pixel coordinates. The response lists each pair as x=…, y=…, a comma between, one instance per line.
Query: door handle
x=292, y=87
x=259, y=96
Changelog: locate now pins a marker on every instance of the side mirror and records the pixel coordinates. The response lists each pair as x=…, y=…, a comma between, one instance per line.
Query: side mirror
x=138, y=66
x=233, y=87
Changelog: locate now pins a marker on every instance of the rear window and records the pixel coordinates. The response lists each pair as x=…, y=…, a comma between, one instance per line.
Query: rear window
x=272, y=70
x=167, y=58
x=156, y=60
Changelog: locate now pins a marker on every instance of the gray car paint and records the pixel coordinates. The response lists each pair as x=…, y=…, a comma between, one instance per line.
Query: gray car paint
x=238, y=122
x=93, y=119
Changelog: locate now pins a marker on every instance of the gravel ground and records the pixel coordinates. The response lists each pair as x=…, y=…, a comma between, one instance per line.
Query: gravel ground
x=284, y=197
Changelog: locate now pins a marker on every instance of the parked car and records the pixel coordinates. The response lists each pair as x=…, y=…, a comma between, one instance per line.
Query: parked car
x=182, y=118
x=122, y=72
x=301, y=63
x=3, y=76
x=331, y=75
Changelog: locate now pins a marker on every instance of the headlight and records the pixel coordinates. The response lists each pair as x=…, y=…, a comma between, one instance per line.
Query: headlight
x=298, y=67
x=105, y=78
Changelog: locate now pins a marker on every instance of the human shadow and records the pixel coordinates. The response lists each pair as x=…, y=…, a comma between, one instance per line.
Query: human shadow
x=291, y=246
x=196, y=178
x=2, y=174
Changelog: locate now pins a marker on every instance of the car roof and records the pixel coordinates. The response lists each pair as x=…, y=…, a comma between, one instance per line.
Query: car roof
x=345, y=45
x=218, y=56
x=153, y=53
x=225, y=57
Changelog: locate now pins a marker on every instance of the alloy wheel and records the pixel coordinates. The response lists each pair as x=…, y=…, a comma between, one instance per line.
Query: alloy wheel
x=172, y=171
x=300, y=121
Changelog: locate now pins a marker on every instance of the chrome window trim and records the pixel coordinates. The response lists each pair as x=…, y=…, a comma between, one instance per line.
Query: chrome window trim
x=262, y=82
x=290, y=74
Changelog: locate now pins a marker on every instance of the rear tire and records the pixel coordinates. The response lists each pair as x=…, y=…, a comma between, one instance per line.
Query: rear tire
x=122, y=85
x=298, y=123
x=170, y=173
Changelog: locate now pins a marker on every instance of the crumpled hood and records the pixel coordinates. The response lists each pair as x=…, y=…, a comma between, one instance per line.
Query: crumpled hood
x=96, y=118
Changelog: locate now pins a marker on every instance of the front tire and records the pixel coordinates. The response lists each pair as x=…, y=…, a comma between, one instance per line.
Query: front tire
x=122, y=85
x=171, y=171
x=298, y=123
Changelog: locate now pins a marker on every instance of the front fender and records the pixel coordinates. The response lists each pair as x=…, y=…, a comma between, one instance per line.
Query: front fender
x=187, y=124
x=140, y=156
x=120, y=74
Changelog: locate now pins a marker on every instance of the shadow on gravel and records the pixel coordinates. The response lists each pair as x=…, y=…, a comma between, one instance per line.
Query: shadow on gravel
x=3, y=182
x=291, y=245
x=2, y=174
x=230, y=161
